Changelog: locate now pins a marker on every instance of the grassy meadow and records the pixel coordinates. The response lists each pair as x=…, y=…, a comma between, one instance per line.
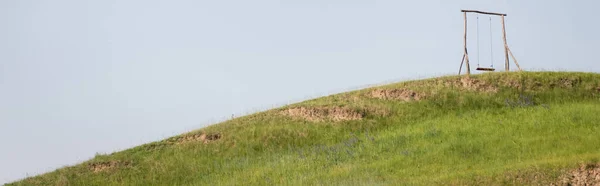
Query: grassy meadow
x=515, y=128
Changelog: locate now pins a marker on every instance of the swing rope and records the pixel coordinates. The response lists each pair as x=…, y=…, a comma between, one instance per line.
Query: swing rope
x=479, y=48
x=491, y=45
x=477, y=41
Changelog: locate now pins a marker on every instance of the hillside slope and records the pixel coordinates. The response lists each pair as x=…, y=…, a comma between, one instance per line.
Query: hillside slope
x=494, y=128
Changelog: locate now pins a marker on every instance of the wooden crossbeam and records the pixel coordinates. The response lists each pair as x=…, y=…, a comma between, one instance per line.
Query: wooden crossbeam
x=482, y=12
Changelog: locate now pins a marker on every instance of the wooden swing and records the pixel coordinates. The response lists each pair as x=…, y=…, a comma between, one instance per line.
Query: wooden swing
x=465, y=58
x=486, y=69
x=491, y=68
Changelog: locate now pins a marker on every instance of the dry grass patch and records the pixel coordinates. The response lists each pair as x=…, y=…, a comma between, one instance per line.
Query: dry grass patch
x=522, y=85
x=530, y=84
x=586, y=174
x=566, y=82
x=317, y=114
x=471, y=84
x=512, y=83
x=197, y=137
x=396, y=94
x=184, y=139
x=463, y=83
x=103, y=166
x=594, y=89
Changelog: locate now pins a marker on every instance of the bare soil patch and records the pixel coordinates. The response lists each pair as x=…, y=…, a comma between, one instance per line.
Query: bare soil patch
x=468, y=84
x=527, y=85
x=475, y=85
x=512, y=83
x=186, y=138
x=586, y=174
x=97, y=167
x=198, y=137
x=316, y=114
x=567, y=82
x=396, y=94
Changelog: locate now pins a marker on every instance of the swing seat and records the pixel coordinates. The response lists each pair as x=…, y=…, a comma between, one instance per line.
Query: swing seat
x=485, y=69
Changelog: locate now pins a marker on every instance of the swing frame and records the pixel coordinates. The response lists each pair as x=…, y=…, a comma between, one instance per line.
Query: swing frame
x=507, y=51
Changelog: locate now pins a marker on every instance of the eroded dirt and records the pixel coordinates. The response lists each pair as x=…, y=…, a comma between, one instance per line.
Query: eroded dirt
x=198, y=137
x=512, y=83
x=97, y=167
x=316, y=114
x=587, y=174
x=471, y=84
x=184, y=139
x=530, y=84
x=464, y=83
x=396, y=94
x=566, y=82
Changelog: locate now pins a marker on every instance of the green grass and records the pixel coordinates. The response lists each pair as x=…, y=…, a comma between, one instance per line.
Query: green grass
x=528, y=130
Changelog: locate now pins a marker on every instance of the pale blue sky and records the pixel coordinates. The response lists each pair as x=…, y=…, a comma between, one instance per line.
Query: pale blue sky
x=79, y=77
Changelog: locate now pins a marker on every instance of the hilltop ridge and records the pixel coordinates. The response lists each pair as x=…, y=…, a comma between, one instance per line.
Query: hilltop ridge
x=496, y=128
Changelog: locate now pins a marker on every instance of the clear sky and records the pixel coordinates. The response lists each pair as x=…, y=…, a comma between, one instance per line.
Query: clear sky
x=80, y=77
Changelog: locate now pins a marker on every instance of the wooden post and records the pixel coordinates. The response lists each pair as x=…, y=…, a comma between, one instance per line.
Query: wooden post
x=466, y=53
x=506, y=63
x=461, y=64
x=514, y=59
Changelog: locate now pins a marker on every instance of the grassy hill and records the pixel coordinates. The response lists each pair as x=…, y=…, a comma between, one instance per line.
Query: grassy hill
x=517, y=128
